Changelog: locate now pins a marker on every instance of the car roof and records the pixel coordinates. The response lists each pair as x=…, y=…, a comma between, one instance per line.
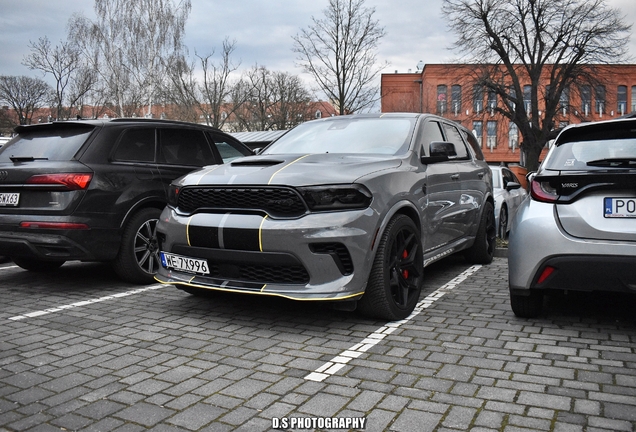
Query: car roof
x=118, y=121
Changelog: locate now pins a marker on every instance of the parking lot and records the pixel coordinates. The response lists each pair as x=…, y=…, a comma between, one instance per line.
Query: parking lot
x=80, y=350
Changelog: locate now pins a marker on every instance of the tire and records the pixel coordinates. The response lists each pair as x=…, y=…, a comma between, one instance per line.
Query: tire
x=395, y=281
x=483, y=250
x=503, y=223
x=36, y=265
x=527, y=306
x=138, y=258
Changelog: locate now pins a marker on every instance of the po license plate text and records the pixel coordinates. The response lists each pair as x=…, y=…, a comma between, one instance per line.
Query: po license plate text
x=619, y=207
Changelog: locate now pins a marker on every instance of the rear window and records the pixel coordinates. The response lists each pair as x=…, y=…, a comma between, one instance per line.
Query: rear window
x=574, y=156
x=47, y=144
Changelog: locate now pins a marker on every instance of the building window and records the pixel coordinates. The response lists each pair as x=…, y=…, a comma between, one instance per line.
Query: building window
x=600, y=99
x=586, y=99
x=456, y=99
x=478, y=131
x=633, y=99
x=512, y=97
x=564, y=100
x=491, y=130
x=492, y=101
x=478, y=99
x=318, y=114
x=513, y=136
x=442, y=99
x=621, y=98
x=527, y=99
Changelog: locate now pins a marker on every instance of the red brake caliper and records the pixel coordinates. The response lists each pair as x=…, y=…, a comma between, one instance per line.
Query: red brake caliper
x=405, y=272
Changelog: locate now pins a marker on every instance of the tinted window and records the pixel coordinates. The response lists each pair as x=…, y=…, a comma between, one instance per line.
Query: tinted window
x=136, y=145
x=59, y=144
x=453, y=135
x=228, y=149
x=184, y=147
x=479, y=155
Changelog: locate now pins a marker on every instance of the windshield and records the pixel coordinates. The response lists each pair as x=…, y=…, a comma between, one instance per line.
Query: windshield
x=586, y=155
x=59, y=144
x=390, y=135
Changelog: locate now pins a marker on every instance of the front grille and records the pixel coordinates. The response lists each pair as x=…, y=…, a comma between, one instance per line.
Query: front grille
x=276, y=202
x=283, y=274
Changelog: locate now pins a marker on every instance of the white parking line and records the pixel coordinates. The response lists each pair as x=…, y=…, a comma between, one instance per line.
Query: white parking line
x=85, y=302
x=338, y=362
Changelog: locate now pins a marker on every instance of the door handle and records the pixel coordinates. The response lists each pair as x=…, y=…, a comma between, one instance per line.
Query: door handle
x=455, y=177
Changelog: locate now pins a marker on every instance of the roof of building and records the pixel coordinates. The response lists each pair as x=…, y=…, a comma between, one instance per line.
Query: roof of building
x=258, y=137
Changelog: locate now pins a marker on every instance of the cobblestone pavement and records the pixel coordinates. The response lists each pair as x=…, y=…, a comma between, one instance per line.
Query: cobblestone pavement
x=80, y=350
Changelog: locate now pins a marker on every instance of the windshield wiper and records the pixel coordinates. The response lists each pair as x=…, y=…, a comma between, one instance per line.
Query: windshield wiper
x=26, y=158
x=613, y=162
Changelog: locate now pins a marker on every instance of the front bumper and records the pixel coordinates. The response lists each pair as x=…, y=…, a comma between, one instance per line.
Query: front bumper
x=537, y=241
x=324, y=256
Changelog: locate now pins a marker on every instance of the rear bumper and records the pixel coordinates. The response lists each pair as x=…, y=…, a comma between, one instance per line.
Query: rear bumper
x=538, y=241
x=84, y=245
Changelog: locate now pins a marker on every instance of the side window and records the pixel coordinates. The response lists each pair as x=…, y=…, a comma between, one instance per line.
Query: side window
x=453, y=135
x=430, y=132
x=227, y=148
x=184, y=147
x=479, y=155
x=136, y=145
x=509, y=176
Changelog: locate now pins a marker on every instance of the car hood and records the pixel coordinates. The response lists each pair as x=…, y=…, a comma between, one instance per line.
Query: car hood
x=293, y=170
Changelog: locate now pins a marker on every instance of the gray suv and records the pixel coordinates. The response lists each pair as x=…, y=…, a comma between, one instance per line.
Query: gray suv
x=346, y=209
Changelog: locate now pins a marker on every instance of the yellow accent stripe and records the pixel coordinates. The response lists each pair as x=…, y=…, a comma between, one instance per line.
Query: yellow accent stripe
x=188, y=230
x=289, y=164
x=271, y=294
x=206, y=172
x=260, y=234
x=263, y=289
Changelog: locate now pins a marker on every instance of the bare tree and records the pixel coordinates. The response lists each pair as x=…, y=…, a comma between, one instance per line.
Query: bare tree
x=339, y=52
x=516, y=41
x=25, y=95
x=61, y=61
x=128, y=45
x=292, y=101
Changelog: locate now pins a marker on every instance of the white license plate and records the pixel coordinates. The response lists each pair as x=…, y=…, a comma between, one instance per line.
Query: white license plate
x=186, y=264
x=619, y=207
x=9, y=199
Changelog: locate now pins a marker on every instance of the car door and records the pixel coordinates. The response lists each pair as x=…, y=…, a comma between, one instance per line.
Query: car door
x=472, y=186
x=442, y=192
x=516, y=195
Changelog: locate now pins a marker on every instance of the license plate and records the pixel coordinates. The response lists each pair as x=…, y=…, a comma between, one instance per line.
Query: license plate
x=9, y=199
x=620, y=207
x=186, y=264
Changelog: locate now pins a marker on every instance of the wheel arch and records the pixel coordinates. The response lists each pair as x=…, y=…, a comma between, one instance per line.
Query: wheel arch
x=140, y=205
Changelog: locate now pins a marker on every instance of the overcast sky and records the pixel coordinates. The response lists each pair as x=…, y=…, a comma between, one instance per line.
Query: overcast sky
x=263, y=30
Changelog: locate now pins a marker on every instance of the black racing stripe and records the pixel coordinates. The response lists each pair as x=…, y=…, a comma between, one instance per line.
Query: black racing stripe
x=241, y=239
x=204, y=236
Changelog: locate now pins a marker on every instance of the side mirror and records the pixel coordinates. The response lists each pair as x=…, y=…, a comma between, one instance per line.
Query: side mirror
x=512, y=186
x=439, y=151
x=257, y=150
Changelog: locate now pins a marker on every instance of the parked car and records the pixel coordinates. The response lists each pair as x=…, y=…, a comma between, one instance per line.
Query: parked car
x=349, y=208
x=578, y=230
x=508, y=197
x=93, y=190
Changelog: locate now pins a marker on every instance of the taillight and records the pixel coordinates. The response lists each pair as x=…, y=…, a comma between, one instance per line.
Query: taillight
x=69, y=181
x=542, y=191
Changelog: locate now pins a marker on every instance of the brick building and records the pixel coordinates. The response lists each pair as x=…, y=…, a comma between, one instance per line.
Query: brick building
x=448, y=90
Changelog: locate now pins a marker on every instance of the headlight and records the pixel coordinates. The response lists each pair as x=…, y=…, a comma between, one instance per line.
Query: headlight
x=336, y=197
x=173, y=195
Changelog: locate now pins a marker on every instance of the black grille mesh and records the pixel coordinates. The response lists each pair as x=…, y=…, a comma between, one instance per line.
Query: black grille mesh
x=277, y=202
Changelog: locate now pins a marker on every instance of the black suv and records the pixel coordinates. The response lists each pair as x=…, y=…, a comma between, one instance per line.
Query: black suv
x=93, y=190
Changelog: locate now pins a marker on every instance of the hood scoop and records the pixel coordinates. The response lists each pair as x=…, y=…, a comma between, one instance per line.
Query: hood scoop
x=256, y=162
